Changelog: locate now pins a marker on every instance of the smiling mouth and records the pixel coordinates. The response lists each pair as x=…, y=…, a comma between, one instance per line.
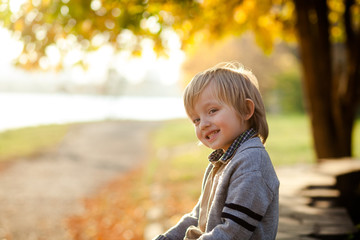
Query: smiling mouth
x=212, y=134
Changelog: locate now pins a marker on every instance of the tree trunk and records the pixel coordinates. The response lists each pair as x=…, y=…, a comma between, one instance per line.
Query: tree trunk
x=350, y=96
x=329, y=96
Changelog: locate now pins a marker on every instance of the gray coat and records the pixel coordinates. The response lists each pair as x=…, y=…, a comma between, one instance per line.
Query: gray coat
x=246, y=203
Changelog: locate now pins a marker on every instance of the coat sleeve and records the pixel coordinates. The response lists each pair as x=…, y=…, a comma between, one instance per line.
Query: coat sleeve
x=191, y=219
x=178, y=231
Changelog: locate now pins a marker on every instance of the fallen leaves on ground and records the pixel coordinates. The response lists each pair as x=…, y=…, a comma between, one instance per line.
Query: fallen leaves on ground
x=119, y=210
x=116, y=212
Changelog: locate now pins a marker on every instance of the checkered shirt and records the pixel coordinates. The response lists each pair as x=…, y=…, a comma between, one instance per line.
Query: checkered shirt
x=219, y=153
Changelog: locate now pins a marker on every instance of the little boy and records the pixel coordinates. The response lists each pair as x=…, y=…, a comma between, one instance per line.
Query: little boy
x=240, y=193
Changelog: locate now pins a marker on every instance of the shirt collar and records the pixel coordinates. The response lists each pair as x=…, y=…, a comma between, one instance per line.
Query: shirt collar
x=220, y=155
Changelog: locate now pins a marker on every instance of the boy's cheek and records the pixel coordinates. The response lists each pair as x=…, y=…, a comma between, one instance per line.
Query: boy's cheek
x=199, y=139
x=198, y=134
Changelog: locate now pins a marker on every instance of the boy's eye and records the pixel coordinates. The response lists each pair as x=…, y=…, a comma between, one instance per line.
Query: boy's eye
x=196, y=121
x=213, y=110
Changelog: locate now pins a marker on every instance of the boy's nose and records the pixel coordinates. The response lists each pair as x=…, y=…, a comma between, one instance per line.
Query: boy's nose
x=204, y=123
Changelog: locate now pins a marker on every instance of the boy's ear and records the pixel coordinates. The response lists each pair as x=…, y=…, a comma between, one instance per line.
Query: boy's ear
x=250, y=106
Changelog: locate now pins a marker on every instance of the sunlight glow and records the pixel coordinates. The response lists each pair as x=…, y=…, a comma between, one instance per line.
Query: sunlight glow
x=95, y=5
x=15, y=5
x=152, y=24
x=64, y=10
x=53, y=54
x=69, y=52
x=9, y=47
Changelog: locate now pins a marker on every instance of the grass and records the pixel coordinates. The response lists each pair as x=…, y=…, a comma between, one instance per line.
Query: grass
x=289, y=140
x=356, y=139
x=30, y=141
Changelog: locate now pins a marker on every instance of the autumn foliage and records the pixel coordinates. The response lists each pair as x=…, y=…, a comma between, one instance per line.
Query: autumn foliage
x=114, y=213
x=119, y=210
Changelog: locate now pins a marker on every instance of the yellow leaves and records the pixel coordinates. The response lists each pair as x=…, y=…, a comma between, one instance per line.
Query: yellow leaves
x=336, y=32
x=45, y=3
x=19, y=25
x=254, y=13
x=134, y=9
x=187, y=26
x=355, y=9
x=336, y=5
x=86, y=25
x=185, y=29
x=263, y=18
x=211, y=3
x=249, y=5
x=337, y=9
x=192, y=42
x=240, y=15
x=335, y=16
x=288, y=10
x=194, y=21
x=355, y=12
x=264, y=21
x=265, y=39
x=244, y=10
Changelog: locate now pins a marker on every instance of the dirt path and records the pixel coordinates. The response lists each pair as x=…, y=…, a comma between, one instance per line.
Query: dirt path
x=37, y=194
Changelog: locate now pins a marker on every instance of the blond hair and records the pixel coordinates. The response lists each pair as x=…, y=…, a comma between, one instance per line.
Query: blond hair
x=233, y=84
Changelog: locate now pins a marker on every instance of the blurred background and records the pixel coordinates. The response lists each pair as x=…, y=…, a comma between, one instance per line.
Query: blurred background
x=56, y=54
x=116, y=87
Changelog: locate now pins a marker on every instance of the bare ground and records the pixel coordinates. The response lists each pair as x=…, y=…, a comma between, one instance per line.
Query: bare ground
x=37, y=194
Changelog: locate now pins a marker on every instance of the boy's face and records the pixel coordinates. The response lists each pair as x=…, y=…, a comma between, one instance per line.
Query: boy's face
x=217, y=125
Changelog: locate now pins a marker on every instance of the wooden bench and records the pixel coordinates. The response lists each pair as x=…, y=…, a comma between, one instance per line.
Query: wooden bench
x=310, y=201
